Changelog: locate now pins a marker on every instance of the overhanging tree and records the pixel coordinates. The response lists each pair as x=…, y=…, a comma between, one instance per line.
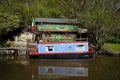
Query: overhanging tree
x=98, y=16
x=8, y=23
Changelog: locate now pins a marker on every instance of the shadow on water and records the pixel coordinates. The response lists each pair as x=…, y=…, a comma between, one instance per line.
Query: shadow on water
x=21, y=68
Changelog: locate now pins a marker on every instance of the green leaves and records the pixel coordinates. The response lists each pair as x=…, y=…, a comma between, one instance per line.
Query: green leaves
x=98, y=16
x=45, y=8
x=8, y=22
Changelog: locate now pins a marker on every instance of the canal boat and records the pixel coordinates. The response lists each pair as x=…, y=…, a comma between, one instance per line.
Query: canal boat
x=59, y=39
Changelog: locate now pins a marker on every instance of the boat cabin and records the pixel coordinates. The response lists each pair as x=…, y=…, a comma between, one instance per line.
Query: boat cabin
x=58, y=30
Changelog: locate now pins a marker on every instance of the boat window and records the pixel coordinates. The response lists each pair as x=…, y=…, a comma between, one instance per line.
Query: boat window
x=49, y=48
x=50, y=70
x=70, y=48
x=79, y=47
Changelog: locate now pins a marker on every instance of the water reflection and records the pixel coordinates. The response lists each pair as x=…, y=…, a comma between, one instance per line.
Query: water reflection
x=48, y=72
x=63, y=71
x=59, y=69
x=15, y=59
x=14, y=68
x=9, y=57
x=21, y=68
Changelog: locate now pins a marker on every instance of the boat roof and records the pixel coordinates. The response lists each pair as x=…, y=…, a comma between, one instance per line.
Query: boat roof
x=54, y=20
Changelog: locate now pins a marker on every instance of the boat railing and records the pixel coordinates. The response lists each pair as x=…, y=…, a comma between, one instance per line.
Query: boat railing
x=49, y=39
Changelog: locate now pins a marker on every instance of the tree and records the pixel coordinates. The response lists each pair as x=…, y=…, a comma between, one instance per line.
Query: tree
x=8, y=23
x=15, y=15
x=24, y=11
x=45, y=8
x=98, y=16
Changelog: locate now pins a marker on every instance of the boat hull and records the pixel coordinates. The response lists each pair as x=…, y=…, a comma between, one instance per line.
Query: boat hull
x=62, y=56
x=89, y=54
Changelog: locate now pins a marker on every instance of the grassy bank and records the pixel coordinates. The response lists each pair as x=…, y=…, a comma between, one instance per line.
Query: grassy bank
x=112, y=47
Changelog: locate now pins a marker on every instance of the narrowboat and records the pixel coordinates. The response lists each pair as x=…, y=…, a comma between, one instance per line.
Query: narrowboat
x=59, y=39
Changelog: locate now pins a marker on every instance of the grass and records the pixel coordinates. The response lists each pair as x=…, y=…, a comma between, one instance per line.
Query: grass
x=112, y=47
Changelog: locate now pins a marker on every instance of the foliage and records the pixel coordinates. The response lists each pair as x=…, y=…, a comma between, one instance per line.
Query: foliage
x=8, y=22
x=100, y=17
x=27, y=9
x=115, y=37
x=45, y=8
x=17, y=14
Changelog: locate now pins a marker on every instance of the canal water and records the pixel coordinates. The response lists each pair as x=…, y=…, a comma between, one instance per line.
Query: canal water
x=21, y=68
